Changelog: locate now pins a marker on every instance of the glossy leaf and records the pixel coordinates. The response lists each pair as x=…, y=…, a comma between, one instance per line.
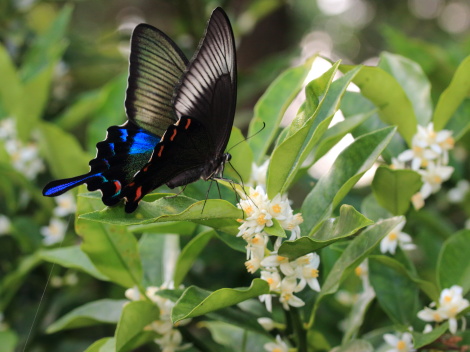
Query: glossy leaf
x=389, y=97
x=242, y=157
x=217, y=213
x=453, y=266
x=52, y=142
x=347, y=224
x=357, y=250
x=151, y=249
x=72, y=257
x=396, y=293
x=420, y=339
x=11, y=93
x=189, y=255
x=104, y=311
x=394, y=188
x=452, y=97
x=289, y=155
x=271, y=107
x=275, y=230
x=112, y=249
x=8, y=340
x=356, y=346
x=347, y=169
x=196, y=301
x=414, y=82
x=135, y=317
x=106, y=344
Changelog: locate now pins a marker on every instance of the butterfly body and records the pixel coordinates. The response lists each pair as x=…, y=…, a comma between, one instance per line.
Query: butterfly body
x=180, y=117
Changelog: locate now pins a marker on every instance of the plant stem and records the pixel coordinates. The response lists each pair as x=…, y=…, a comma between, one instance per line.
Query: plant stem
x=298, y=329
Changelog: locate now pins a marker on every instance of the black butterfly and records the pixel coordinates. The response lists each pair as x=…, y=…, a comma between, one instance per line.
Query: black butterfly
x=180, y=117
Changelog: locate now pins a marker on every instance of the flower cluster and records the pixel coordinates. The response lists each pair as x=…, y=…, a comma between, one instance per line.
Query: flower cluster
x=55, y=231
x=171, y=338
x=451, y=303
x=397, y=238
x=285, y=277
x=429, y=156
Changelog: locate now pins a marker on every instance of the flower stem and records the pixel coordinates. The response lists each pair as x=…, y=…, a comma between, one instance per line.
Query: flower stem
x=296, y=324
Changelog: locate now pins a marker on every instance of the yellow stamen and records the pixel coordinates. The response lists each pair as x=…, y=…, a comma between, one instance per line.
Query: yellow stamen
x=280, y=258
x=392, y=236
x=277, y=208
x=401, y=345
x=437, y=179
x=358, y=271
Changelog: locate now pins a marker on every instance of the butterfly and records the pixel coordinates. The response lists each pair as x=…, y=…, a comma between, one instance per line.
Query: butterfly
x=180, y=115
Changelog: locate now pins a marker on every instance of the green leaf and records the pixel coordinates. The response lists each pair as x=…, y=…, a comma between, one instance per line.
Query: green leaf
x=357, y=250
x=335, y=133
x=135, y=317
x=276, y=229
x=11, y=282
x=106, y=344
x=72, y=257
x=52, y=142
x=151, y=251
x=331, y=230
x=414, y=82
x=288, y=156
x=453, y=266
x=215, y=213
x=271, y=107
x=420, y=339
x=11, y=90
x=196, y=301
x=347, y=169
x=81, y=110
x=386, y=93
x=182, y=228
x=371, y=209
x=234, y=337
x=103, y=311
x=112, y=249
x=242, y=157
x=396, y=293
x=356, y=346
x=452, y=97
x=190, y=254
x=8, y=340
x=459, y=124
x=394, y=188
x=356, y=316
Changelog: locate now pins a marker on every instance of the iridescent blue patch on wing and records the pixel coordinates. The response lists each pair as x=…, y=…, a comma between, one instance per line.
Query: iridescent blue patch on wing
x=61, y=186
x=143, y=142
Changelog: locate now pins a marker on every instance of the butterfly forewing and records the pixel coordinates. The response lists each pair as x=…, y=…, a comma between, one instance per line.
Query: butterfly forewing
x=156, y=65
x=207, y=91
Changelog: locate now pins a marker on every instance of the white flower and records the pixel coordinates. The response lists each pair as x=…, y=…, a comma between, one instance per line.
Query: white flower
x=457, y=194
x=268, y=301
x=253, y=265
x=278, y=346
x=267, y=323
x=5, y=225
x=171, y=341
x=397, y=164
x=307, y=270
x=55, y=232
x=433, y=177
x=133, y=294
x=417, y=200
x=274, y=260
x=65, y=205
x=279, y=208
x=396, y=238
x=288, y=287
x=258, y=174
x=272, y=278
x=7, y=128
x=401, y=343
x=256, y=246
x=419, y=157
x=451, y=303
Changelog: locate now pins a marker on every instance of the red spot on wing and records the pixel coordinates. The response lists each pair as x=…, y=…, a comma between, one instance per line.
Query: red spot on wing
x=161, y=150
x=145, y=168
x=118, y=186
x=138, y=193
x=187, y=124
x=173, y=135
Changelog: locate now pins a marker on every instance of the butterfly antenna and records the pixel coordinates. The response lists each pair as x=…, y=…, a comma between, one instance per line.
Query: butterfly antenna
x=247, y=138
x=207, y=196
x=242, y=184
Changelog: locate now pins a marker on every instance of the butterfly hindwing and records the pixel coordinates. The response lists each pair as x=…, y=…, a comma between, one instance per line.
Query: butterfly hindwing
x=125, y=151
